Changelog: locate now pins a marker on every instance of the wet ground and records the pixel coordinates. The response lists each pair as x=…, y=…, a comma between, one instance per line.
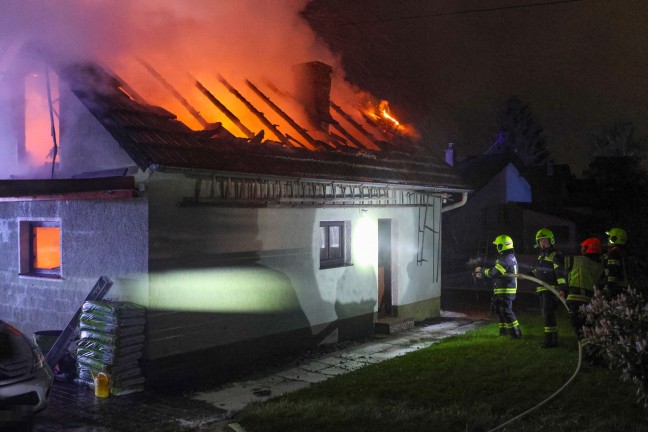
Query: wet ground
x=75, y=408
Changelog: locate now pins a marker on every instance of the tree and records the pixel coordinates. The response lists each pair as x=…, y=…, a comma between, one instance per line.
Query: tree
x=618, y=140
x=521, y=134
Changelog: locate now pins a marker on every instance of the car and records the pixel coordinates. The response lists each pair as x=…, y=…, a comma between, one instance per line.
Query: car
x=25, y=378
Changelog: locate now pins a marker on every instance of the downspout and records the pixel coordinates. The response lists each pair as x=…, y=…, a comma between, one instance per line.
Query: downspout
x=464, y=200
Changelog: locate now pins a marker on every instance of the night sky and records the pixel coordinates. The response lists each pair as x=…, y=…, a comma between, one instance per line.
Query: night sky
x=580, y=65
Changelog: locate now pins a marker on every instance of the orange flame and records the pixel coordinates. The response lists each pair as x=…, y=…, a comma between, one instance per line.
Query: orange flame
x=384, y=119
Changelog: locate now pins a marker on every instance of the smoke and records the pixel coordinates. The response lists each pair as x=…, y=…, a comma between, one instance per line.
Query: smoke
x=238, y=39
x=238, y=34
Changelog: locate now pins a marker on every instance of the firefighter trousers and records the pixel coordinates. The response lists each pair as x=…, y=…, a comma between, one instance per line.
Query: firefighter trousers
x=508, y=323
x=548, y=307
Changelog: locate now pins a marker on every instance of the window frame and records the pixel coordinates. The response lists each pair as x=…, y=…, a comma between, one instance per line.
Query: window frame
x=340, y=258
x=27, y=257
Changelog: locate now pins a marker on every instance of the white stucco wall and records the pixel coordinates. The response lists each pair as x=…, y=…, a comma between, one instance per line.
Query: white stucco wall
x=221, y=275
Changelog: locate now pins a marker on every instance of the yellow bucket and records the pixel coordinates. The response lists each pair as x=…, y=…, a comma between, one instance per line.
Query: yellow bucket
x=101, y=385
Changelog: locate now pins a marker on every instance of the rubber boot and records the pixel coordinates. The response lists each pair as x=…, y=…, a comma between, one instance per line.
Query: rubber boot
x=503, y=331
x=550, y=340
x=516, y=332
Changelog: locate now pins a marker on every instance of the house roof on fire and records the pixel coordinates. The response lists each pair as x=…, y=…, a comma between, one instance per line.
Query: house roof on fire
x=155, y=139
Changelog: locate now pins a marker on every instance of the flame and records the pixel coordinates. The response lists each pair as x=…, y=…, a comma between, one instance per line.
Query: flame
x=383, y=119
x=384, y=110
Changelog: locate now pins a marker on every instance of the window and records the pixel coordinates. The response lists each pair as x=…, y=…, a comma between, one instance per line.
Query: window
x=333, y=244
x=40, y=248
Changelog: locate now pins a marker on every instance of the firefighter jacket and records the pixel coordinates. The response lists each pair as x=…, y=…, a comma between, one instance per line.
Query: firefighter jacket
x=585, y=272
x=550, y=268
x=616, y=271
x=506, y=263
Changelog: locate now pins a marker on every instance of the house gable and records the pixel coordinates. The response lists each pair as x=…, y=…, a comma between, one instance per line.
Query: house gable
x=517, y=189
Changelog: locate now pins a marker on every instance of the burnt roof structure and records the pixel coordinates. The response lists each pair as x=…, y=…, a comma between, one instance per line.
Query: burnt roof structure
x=155, y=139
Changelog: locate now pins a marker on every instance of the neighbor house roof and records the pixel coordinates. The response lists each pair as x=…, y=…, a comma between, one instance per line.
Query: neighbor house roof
x=477, y=171
x=155, y=139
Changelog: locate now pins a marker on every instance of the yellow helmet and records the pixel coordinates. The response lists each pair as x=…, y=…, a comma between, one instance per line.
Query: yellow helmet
x=617, y=236
x=545, y=233
x=503, y=243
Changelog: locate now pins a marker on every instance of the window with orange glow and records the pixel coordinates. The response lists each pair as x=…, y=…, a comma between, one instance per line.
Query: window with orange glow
x=40, y=248
x=41, y=110
x=46, y=248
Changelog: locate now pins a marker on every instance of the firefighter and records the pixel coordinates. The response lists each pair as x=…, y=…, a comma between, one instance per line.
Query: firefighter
x=505, y=288
x=550, y=269
x=616, y=264
x=584, y=274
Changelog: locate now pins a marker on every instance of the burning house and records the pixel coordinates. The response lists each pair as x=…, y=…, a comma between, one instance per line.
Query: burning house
x=291, y=221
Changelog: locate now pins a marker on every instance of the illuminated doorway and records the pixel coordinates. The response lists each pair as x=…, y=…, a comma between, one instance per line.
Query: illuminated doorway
x=384, y=268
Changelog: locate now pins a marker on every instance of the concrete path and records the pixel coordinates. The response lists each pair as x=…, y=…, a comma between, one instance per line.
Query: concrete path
x=234, y=396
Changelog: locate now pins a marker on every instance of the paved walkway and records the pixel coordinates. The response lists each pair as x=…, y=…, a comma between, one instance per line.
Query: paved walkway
x=73, y=408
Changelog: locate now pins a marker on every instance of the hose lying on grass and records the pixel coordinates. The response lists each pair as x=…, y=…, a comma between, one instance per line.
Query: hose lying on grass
x=580, y=355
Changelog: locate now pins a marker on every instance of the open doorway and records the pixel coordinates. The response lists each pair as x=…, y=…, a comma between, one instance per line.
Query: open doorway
x=384, y=268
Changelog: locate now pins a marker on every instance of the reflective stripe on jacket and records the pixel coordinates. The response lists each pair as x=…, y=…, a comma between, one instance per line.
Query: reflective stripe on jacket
x=506, y=264
x=550, y=268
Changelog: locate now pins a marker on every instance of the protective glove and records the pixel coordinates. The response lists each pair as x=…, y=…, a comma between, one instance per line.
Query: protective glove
x=478, y=272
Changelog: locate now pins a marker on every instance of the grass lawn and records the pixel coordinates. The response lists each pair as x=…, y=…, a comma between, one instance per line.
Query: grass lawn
x=473, y=382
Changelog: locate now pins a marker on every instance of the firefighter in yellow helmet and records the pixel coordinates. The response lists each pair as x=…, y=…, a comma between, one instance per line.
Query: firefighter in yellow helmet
x=550, y=269
x=504, y=288
x=616, y=263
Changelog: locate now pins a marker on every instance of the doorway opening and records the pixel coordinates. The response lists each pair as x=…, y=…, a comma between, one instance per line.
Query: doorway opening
x=385, y=268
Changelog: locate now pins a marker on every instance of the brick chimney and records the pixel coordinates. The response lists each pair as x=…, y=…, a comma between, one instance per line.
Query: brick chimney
x=313, y=91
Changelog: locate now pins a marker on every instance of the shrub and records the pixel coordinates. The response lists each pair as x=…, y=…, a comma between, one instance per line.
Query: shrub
x=618, y=329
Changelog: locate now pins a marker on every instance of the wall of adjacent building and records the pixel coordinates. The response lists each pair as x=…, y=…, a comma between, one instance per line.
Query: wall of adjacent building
x=98, y=238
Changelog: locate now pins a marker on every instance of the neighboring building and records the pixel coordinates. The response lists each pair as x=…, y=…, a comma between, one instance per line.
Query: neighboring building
x=240, y=248
x=502, y=203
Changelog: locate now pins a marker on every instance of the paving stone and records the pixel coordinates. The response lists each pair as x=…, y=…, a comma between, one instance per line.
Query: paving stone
x=297, y=374
x=331, y=360
x=334, y=371
x=313, y=366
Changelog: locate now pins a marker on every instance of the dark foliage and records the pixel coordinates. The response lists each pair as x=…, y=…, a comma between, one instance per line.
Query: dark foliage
x=618, y=329
x=521, y=133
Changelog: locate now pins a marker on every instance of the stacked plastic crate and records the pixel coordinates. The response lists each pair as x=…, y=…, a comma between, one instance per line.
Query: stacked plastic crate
x=111, y=341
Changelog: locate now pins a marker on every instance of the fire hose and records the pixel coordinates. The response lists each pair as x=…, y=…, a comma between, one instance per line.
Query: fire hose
x=580, y=354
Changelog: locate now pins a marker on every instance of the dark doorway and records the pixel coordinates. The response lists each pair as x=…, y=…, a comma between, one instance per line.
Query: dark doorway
x=384, y=267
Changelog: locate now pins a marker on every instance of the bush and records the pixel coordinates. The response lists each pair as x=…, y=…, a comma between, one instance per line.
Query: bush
x=618, y=329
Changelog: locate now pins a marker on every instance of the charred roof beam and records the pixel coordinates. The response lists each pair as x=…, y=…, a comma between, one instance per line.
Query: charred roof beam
x=356, y=125
x=229, y=114
x=286, y=117
x=204, y=123
x=267, y=123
